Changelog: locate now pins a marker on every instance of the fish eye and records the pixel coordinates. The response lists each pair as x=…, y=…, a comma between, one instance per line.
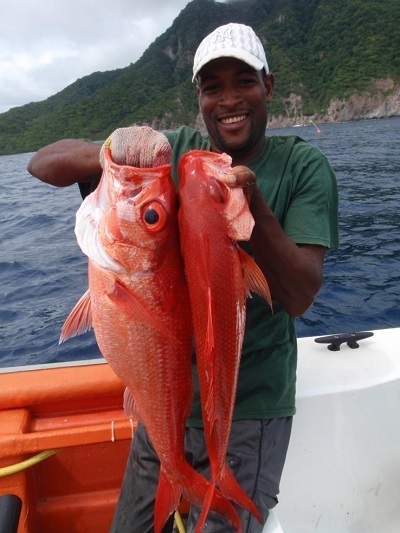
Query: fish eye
x=154, y=216
x=151, y=216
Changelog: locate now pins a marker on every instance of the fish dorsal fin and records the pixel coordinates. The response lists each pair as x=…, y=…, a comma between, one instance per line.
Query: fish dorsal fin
x=79, y=320
x=254, y=278
x=126, y=300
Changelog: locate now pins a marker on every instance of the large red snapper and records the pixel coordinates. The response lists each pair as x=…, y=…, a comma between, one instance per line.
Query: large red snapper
x=212, y=217
x=138, y=304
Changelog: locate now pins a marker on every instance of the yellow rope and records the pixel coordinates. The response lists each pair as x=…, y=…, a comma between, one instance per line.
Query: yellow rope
x=179, y=522
x=12, y=469
x=18, y=467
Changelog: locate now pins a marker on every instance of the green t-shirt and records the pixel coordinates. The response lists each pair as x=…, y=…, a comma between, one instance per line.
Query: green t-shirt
x=299, y=185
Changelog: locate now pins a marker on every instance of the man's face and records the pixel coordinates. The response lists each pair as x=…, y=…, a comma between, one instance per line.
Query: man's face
x=233, y=99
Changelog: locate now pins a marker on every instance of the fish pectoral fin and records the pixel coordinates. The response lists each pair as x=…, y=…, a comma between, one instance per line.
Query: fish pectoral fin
x=167, y=501
x=79, y=320
x=130, y=408
x=125, y=300
x=254, y=278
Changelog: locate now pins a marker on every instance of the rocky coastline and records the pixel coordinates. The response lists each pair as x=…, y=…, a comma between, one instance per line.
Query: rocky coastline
x=382, y=100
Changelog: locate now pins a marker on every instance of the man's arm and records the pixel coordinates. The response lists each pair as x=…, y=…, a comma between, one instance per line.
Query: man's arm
x=66, y=162
x=294, y=272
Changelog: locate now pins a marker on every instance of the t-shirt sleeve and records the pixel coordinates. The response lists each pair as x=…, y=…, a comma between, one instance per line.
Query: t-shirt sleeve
x=312, y=214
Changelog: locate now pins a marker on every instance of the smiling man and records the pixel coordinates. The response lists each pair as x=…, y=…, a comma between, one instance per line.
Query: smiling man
x=233, y=99
x=293, y=199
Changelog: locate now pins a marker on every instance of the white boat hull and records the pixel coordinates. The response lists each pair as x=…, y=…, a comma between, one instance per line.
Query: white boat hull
x=342, y=472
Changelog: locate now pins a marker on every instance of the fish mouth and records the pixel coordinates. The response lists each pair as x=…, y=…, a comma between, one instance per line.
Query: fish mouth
x=233, y=119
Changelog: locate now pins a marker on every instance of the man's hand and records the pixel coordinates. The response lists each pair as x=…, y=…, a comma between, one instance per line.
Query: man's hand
x=294, y=272
x=245, y=178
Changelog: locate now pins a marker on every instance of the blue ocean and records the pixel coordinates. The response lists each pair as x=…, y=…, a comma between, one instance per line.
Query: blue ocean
x=43, y=272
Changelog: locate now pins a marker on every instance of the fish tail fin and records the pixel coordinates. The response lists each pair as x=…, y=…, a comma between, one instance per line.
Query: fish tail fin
x=231, y=489
x=167, y=501
x=199, y=491
x=206, y=508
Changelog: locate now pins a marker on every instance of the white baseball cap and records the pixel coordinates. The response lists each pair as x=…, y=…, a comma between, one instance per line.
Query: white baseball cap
x=231, y=40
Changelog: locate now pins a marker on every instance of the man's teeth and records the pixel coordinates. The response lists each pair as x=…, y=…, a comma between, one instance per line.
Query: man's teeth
x=233, y=119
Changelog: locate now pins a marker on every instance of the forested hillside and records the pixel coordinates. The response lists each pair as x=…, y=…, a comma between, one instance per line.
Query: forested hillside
x=326, y=55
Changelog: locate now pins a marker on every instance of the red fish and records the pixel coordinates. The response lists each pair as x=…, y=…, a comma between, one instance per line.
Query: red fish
x=138, y=304
x=212, y=217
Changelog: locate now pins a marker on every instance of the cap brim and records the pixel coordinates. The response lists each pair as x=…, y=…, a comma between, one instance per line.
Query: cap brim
x=242, y=55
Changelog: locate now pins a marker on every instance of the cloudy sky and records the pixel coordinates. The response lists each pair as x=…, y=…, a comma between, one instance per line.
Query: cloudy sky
x=47, y=44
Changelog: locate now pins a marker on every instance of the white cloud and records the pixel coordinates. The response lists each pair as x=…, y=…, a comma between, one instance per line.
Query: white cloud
x=46, y=45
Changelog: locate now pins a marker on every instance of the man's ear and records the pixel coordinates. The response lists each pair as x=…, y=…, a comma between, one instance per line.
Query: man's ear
x=269, y=82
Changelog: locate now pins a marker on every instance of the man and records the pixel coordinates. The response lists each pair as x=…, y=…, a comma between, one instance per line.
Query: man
x=293, y=199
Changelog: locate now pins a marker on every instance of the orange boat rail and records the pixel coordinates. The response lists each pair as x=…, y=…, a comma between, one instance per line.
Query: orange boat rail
x=76, y=410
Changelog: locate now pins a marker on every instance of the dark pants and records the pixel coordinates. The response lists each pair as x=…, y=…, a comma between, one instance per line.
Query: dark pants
x=256, y=455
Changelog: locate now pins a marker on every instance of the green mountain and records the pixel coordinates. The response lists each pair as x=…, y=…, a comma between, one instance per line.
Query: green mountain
x=332, y=59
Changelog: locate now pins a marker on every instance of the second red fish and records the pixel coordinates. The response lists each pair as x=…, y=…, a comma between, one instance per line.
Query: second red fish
x=212, y=217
